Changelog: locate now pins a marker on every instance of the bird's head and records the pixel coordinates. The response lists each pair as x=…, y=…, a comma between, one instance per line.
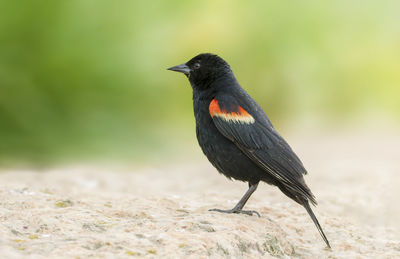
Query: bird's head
x=203, y=70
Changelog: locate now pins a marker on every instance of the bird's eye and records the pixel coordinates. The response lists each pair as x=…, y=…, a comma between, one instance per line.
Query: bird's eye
x=196, y=65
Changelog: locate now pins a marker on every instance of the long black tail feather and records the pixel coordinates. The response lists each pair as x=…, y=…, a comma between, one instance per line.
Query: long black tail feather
x=311, y=213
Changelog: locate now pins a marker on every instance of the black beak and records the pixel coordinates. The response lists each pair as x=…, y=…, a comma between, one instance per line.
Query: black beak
x=183, y=68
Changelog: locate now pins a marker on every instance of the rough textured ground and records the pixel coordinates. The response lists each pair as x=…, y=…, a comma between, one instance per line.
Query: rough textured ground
x=83, y=212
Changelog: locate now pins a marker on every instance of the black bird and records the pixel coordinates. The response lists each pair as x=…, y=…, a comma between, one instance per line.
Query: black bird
x=238, y=138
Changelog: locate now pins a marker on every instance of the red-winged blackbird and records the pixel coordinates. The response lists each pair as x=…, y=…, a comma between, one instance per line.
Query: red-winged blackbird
x=237, y=137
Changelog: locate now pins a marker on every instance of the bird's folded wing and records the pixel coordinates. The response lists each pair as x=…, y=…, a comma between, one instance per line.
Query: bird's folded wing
x=261, y=143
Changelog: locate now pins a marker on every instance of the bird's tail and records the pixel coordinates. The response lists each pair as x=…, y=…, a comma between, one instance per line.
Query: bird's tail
x=311, y=213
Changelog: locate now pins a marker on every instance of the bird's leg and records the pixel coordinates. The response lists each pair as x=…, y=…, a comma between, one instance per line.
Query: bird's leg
x=239, y=206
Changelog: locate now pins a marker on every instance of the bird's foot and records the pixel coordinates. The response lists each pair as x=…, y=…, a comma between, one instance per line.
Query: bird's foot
x=247, y=212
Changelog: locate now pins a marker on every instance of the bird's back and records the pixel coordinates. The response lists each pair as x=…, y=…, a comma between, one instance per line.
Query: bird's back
x=223, y=154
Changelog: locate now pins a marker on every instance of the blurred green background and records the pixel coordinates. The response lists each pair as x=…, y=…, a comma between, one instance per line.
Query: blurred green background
x=87, y=79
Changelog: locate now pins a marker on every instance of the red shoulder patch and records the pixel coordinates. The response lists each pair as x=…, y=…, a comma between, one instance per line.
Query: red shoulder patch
x=241, y=116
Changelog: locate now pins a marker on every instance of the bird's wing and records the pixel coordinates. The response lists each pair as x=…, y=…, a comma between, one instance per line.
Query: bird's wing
x=256, y=137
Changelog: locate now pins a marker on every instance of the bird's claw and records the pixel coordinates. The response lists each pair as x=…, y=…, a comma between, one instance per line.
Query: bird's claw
x=247, y=212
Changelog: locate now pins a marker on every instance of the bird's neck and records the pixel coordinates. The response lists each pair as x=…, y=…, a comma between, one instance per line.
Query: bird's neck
x=226, y=82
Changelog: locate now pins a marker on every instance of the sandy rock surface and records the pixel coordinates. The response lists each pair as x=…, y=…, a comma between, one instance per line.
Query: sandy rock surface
x=84, y=212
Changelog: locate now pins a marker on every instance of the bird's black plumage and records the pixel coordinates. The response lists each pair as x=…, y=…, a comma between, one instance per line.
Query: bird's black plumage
x=238, y=138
